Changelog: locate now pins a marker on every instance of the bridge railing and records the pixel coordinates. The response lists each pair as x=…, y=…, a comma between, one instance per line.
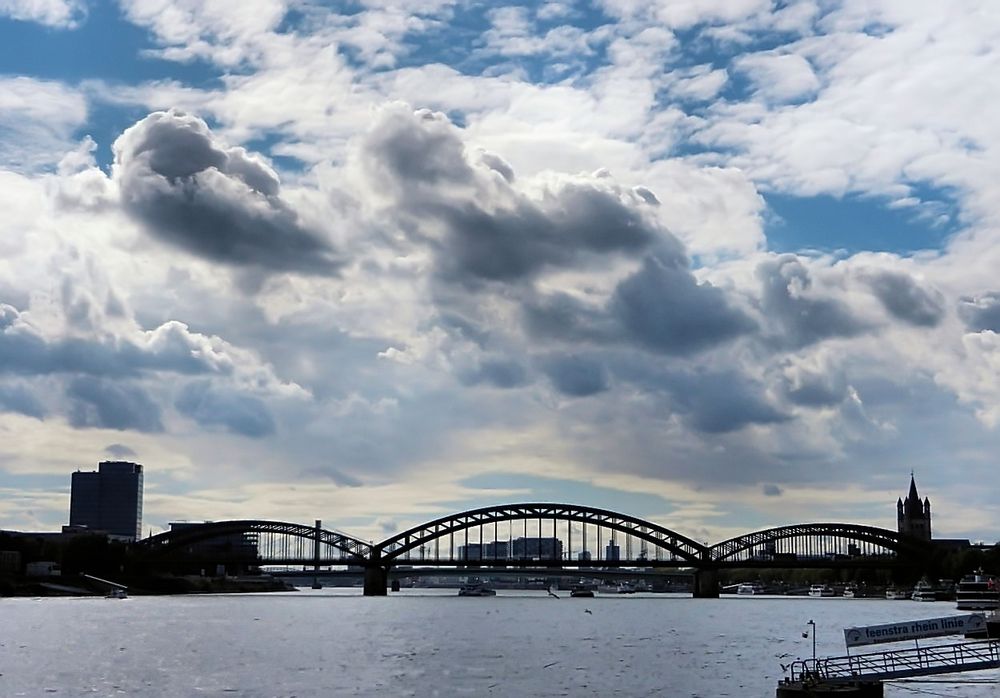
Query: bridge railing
x=914, y=661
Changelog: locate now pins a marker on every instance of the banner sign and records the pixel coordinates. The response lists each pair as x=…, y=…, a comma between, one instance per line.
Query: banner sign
x=914, y=629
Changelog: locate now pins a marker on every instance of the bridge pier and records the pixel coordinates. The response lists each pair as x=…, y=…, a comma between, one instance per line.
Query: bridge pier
x=376, y=580
x=706, y=584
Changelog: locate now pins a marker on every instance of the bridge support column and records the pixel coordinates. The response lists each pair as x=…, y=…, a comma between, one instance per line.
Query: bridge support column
x=706, y=584
x=319, y=529
x=376, y=580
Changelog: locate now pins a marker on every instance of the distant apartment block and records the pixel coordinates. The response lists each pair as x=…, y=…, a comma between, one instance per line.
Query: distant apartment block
x=109, y=499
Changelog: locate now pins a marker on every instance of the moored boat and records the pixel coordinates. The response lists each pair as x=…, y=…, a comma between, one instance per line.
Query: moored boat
x=750, y=589
x=978, y=592
x=581, y=591
x=924, y=591
x=853, y=591
x=476, y=589
x=821, y=590
x=897, y=594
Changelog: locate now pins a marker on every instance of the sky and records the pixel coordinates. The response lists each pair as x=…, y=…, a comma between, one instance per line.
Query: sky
x=721, y=264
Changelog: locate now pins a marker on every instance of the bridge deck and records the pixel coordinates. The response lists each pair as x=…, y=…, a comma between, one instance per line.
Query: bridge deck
x=898, y=664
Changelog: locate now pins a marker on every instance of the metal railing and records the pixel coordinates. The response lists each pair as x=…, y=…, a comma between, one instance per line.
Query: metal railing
x=916, y=661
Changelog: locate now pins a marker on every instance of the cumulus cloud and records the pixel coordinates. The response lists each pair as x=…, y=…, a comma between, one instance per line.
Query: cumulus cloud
x=780, y=77
x=901, y=295
x=480, y=227
x=665, y=308
x=62, y=14
x=812, y=386
x=217, y=202
x=215, y=406
x=38, y=119
x=720, y=402
x=803, y=316
x=499, y=373
x=574, y=375
x=981, y=312
x=18, y=398
x=24, y=350
x=105, y=404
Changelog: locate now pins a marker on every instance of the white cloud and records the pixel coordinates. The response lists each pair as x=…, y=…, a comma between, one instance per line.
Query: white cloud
x=63, y=14
x=37, y=121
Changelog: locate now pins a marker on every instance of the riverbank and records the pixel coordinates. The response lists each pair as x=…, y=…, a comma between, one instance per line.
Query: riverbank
x=141, y=586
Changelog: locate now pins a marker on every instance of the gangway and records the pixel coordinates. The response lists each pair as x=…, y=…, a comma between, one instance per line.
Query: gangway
x=115, y=590
x=898, y=664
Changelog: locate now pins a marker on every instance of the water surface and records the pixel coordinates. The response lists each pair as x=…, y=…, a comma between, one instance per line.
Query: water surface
x=430, y=643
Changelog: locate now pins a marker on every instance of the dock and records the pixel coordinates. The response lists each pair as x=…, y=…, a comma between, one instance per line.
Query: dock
x=899, y=664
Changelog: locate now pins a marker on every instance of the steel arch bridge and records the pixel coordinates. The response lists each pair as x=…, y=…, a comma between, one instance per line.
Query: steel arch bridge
x=271, y=541
x=527, y=536
x=662, y=539
x=812, y=541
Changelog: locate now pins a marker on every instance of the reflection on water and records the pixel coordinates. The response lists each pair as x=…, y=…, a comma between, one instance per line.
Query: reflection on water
x=428, y=643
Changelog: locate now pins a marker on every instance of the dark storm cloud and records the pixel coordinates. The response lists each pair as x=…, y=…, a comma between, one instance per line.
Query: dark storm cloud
x=717, y=403
x=17, y=398
x=904, y=299
x=499, y=373
x=575, y=376
x=803, y=319
x=562, y=317
x=480, y=228
x=711, y=402
x=214, y=406
x=663, y=307
x=111, y=405
x=982, y=312
x=219, y=203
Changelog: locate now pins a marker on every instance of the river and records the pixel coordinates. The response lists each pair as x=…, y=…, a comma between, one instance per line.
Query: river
x=334, y=642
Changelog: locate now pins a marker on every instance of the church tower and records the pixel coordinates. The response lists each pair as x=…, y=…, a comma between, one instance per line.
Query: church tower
x=913, y=517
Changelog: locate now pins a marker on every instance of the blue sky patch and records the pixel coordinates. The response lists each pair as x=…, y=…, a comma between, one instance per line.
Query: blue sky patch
x=850, y=224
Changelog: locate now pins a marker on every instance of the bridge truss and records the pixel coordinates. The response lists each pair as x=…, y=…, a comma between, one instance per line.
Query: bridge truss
x=814, y=541
x=270, y=542
x=540, y=531
x=530, y=535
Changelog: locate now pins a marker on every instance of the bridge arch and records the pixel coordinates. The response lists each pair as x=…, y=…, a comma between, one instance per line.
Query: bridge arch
x=351, y=549
x=813, y=539
x=395, y=547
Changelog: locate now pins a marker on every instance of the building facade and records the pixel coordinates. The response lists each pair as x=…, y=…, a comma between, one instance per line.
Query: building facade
x=109, y=499
x=913, y=517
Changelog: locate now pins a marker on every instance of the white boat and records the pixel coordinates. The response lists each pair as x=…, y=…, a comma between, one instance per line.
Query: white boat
x=853, y=591
x=821, y=590
x=896, y=594
x=750, y=589
x=476, y=589
x=924, y=591
x=978, y=592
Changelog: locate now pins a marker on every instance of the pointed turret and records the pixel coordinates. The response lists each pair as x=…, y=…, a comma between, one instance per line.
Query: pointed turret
x=913, y=516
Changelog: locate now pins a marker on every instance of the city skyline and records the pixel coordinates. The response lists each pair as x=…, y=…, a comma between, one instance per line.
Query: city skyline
x=722, y=265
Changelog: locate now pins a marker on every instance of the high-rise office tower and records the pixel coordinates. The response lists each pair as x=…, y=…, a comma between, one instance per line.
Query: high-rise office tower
x=109, y=499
